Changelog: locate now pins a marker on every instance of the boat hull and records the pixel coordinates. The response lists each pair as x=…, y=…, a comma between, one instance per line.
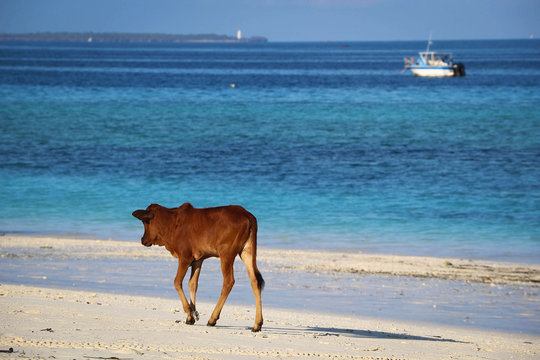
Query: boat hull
x=433, y=72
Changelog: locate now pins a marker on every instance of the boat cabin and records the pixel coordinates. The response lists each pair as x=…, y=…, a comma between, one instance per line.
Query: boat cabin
x=431, y=58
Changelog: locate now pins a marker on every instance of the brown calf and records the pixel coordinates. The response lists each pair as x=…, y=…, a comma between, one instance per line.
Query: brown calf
x=193, y=235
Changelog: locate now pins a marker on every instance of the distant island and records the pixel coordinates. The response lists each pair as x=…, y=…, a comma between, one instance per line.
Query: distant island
x=126, y=37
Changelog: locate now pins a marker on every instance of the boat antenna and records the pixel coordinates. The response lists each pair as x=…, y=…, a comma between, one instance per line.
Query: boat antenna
x=429, y=43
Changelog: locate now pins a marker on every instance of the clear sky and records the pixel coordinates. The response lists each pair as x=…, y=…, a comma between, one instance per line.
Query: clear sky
x=282, y=20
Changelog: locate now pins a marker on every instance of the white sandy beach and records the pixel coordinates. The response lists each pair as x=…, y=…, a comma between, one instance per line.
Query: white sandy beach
x=54, y=322
x=40, y=323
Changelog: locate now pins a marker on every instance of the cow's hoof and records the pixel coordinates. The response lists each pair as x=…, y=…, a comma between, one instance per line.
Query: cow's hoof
x=211, y=323
x=190, y=321
x=257, y=327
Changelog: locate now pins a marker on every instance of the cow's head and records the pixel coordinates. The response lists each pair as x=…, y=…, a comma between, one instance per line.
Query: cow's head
x=151, y=225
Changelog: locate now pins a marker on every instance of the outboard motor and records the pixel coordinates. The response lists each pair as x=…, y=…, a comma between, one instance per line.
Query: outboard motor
x=459, y=69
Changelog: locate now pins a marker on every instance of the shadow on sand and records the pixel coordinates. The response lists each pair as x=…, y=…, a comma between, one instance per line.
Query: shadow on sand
x=322, y=331
x=330, y=331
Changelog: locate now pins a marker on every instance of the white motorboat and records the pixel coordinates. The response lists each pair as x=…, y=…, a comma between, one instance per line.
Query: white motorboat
x=434, y=64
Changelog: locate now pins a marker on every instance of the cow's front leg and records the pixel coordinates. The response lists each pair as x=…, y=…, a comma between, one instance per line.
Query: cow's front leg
x=178, y=280
x=193, y=285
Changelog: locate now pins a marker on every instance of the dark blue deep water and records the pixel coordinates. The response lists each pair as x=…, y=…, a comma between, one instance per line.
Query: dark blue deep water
x=328, y=144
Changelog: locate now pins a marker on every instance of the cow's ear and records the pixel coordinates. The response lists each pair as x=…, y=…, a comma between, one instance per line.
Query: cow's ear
x=143, y=215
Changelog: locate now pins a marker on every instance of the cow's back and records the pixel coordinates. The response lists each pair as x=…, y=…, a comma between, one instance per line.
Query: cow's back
x=211, y=231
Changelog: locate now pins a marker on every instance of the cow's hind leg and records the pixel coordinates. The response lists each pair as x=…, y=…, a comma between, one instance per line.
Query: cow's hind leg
x=193, y=285
x=256, y=284
x=227, y=268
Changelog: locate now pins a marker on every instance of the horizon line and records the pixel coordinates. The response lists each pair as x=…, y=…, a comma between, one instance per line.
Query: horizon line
x=529, y=37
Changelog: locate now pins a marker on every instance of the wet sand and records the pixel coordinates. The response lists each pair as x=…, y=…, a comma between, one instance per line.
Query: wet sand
x=484, y=271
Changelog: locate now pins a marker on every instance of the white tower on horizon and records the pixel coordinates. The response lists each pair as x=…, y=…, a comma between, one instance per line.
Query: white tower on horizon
x=239, y=35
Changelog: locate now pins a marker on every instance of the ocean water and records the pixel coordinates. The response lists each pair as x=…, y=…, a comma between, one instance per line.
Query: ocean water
x=329, y=145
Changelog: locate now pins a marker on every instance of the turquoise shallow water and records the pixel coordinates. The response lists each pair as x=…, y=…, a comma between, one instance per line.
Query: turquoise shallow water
x=328, y=144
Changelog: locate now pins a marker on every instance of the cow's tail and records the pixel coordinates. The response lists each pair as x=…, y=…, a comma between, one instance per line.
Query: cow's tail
x=252, y=240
